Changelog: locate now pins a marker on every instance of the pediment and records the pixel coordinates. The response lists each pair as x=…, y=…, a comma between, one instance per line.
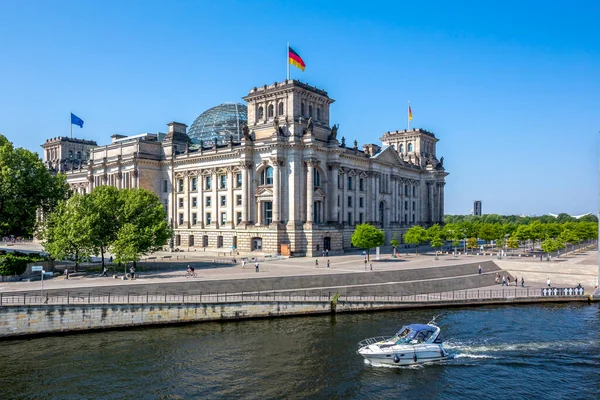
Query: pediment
x=388, y=155
x=319, y=194
x=264, y=192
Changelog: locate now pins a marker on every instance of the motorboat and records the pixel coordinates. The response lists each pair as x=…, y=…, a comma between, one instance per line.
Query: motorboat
x=413, y=344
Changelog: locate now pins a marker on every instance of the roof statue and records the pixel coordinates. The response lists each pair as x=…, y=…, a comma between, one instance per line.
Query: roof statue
x=309, y=127
x=333, y=134
x=246, y=132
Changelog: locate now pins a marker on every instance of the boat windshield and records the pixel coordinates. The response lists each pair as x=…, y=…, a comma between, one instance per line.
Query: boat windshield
x=407, y=335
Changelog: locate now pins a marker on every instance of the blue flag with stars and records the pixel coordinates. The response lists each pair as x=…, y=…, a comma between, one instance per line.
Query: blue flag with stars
x=75, y=120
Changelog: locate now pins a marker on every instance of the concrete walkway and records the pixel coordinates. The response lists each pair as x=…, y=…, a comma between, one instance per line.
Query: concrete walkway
x=564, y=271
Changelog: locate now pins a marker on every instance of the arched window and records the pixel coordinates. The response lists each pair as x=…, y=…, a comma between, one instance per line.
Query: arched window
x=270, y=111
x=401, y=148
x=318, y=113
x=381, y=212
x=302, y=109
x=261, y=112
x=310, y=111
x=266, y=177
x=317, y=177
x=280, y=108
x=410, y=148
x=79, y=155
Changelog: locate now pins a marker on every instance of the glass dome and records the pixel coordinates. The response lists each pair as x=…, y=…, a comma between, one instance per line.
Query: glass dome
x=219, y=123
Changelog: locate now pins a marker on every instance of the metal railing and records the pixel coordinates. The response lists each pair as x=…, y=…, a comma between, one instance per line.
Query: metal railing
x=61, y=298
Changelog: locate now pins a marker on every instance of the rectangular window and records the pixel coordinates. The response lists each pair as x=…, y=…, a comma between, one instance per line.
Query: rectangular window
x=406, y=190
x=414, y=206
x=223, y=200
x=338, y=202
x=414, y=191
x=194, y=219
x=208, y=219
x=223, y=181
x=238, y=200
x=406, y=218
x=238, y=217
x=180, y=218
x=238, y=180
x=181, y=202
x=207, y=183
x=413, y=218
x=180, y=185
x=268, y=212
x=361, y=184
x=208, y=201
x=361, y=202
x=165, y=186
x=349, y=218
x=349, y=183
x=406, y=205
x=349, y=201
x=223, y=218
x=194, y=184
x=339, y=181
x=194, y=202
x=360, y=218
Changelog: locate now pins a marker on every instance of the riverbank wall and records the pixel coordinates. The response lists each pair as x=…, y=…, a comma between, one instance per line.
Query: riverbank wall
x=34, y=320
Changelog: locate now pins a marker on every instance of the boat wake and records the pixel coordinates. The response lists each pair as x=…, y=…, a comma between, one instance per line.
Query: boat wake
x=486, y=347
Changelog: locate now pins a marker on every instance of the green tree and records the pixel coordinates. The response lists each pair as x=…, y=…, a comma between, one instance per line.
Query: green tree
x=394, y=243
x=569, y=236
x=472, y=243
x=26, y=185
x=143, y=227
x=366, y=237
x=435, y=230
x=66, y=233
x=415, y=235
x=512, y=242
x=105, y=205
x=436, y=242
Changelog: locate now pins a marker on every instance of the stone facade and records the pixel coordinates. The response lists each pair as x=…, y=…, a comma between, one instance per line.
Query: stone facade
x=289, y=186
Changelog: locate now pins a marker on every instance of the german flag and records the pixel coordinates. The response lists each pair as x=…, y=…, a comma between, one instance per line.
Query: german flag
x=295, y=59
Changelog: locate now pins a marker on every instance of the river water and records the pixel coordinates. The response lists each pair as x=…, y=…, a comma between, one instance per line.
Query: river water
x=506, y=352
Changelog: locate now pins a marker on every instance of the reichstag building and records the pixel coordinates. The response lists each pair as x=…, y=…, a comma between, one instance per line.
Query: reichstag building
x=273, y=175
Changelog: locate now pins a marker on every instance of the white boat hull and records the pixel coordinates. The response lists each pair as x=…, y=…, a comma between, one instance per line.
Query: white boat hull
x=405, y=356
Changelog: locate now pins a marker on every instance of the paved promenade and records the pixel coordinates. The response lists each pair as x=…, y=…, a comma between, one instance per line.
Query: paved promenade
x=567, y=270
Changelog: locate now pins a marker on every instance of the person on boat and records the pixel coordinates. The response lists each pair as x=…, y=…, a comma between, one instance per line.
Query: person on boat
x=503, y=280
x=522, y=282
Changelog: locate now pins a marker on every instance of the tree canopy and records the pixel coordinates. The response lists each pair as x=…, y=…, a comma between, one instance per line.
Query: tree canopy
x=26, y=185
x=366, y=236
x=129, y=222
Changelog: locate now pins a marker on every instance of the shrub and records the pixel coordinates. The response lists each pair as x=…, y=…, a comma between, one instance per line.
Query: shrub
x=16, y=263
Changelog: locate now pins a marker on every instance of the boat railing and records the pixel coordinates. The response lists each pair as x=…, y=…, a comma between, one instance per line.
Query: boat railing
x=373, y=340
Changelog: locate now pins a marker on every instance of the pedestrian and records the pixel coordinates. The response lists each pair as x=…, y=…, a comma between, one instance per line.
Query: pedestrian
x=507, y=280
x=548, y=282
x=104, y=271
x=111, y=259
x=522, y=282
x=328, y=264
x=371, y=267
x=243, y=263
x=132, y=272
x=479, y=269
x=540, y=257
x=256, y=266
x=326, y=252
x=365, y=263
x=66, y=273
x=317, y=262
x=323, y=253
x=516, y=281
x=503, y=280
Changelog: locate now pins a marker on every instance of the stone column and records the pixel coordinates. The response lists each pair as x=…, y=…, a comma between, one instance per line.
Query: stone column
x=245, y=195
x=276, y=190
x=333, y=192
x=431, y=194
x=215, y=198
x=356, y=196
x=442, y=184
x=230, y=199
x=310, y=189
x=343, y=199
x=200, y=200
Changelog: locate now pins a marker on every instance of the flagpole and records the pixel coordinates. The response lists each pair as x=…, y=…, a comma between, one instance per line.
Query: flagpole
x=71, y=128
x=408, y=115
x=287, y=61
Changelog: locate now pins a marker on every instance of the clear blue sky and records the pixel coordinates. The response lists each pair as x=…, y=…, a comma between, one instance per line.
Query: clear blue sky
x=511, y=88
